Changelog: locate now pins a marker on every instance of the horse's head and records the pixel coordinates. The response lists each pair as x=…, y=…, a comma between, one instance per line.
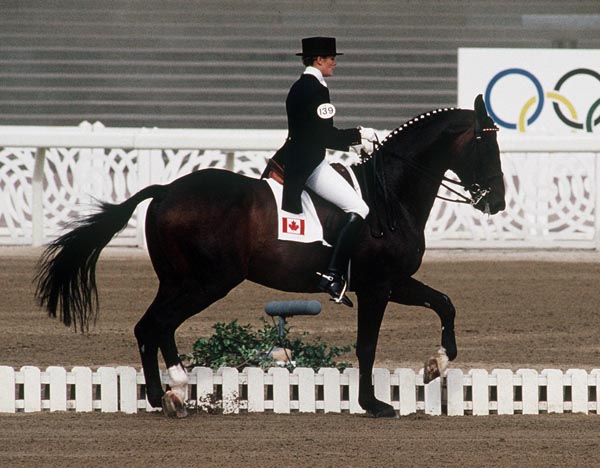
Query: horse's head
x=478, y=165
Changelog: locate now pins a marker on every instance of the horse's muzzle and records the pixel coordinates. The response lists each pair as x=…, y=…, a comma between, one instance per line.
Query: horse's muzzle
x=490, y=204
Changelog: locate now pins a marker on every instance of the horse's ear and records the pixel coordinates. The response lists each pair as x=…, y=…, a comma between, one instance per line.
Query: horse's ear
x=480, y=109
x=481, y=115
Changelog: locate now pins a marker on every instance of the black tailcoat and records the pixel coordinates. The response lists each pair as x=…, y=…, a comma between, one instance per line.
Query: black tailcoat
x=310, y=133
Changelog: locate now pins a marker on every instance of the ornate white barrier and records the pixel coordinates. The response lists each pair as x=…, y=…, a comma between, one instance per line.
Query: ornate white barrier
x=477, y=392
x=50, y=174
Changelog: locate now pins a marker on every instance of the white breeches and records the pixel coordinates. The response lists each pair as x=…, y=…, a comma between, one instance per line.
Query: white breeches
x=326, y=182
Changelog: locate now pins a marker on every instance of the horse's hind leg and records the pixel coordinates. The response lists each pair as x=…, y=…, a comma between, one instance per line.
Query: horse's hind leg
x=146, y=334
x=415, y=293
x=156, y=330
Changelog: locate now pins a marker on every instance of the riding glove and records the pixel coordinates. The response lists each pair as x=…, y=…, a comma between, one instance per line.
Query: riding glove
x=362, y=148
x=368, y=134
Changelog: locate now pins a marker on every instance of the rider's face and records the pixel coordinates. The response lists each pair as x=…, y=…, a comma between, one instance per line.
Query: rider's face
x=326, y=65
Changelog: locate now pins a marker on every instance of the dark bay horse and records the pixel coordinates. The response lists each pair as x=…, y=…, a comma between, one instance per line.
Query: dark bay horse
x=210, y=230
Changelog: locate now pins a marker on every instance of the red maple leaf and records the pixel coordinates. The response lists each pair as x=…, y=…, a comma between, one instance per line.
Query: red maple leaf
x=294, y=225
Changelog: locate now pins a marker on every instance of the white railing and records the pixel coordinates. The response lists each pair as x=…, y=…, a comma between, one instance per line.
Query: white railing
x=50, y=174
x=477, y=392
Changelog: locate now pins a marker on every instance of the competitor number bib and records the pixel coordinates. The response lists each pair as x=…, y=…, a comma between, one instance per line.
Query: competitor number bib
x=326, y=111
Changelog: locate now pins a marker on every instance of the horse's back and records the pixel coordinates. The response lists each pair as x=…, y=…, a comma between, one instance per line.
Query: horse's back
x=212, y=181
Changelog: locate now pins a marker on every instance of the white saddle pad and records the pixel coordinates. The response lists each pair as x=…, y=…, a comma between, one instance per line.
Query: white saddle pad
x=305, y=227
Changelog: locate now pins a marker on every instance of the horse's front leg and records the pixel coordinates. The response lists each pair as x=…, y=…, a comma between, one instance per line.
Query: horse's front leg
x=371, y=307
x=415, y=293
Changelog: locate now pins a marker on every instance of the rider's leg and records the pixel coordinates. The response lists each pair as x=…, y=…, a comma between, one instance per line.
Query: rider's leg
x=333, y=282
x=326, y=182
x=331, y=186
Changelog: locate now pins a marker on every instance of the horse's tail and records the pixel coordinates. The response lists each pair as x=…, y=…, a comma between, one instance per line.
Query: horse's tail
x=66, y=277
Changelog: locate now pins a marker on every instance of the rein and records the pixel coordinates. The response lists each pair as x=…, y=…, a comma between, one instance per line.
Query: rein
x=477, y=192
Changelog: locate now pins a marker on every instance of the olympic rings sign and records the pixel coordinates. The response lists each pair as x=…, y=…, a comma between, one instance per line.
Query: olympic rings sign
x=537, y=101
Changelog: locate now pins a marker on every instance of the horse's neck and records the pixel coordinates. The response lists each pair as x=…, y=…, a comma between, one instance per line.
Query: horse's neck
x=417, y=182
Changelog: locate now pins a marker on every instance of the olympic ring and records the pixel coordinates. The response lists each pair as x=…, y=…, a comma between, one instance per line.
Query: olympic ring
x=514, y=71
x=588, y=120
x=578, y=71
x=523, y=122
x=549, y=95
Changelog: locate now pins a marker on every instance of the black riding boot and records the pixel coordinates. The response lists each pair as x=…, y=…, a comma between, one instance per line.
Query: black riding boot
x=333, y=282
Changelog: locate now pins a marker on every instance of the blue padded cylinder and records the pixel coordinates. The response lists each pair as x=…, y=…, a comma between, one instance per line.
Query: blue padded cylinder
x=291, y=308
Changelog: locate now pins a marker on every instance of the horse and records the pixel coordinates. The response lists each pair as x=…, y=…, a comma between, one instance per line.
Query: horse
x=210, y=230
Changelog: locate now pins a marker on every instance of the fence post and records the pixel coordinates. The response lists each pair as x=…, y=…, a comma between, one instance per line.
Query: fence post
x=530, y=391
x=579, y=390
x=231, y=389
x=32, y=382
x=109, y=389
x=353, y=387
x=7, y=390
x=595, y=381
x=83, y=388
x=37, y=198
x=306, y=390
x=407, y=381
x=204, y=378
x=382, y=382
x=455, y=392
x=554, y=390
x=331, y=390
x=504, y=391
x=281, y=389
x=255, y=378
x=58, y=388
x=144, y=162
x=127, y=389
x=480, y=392
x=433, y=396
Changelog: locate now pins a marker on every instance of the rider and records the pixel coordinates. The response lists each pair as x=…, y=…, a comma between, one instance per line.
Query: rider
x=310, y=133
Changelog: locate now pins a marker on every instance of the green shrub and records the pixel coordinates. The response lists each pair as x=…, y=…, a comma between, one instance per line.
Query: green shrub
x=234, y=345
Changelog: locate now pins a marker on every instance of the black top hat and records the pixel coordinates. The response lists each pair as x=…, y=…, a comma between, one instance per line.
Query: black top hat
x=318, y=47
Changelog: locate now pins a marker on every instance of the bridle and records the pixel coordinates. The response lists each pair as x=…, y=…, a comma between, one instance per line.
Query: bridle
x=476, y=191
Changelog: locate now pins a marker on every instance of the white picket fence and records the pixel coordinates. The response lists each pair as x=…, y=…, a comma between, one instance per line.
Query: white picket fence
x=478, y=392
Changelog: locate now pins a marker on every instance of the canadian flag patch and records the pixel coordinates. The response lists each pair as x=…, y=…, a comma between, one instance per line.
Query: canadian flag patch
x=293, y=226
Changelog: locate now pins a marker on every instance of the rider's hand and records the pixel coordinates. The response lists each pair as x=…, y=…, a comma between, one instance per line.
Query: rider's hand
x=368, y=134
x=357, y=149
x=361, y=149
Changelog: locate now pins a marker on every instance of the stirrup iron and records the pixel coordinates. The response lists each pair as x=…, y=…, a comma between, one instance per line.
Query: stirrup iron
x=338, y=298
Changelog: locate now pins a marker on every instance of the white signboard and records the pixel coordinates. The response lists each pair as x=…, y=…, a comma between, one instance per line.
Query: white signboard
x=534, y=91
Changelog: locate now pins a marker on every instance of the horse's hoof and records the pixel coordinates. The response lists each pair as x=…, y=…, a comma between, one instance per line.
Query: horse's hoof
x=155, y=401
x=435, y=366
x=173, y=406
x=379, y=409
x=388, y=412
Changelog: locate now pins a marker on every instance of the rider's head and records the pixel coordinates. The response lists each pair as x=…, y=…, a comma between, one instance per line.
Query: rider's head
x=324, y=64
x=319, y=52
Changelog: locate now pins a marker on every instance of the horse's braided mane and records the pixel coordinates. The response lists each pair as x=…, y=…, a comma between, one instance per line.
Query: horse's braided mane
x=408, y=127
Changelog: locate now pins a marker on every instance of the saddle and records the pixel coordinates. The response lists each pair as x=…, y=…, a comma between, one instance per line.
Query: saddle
x=275, y=171
x=311, y=225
